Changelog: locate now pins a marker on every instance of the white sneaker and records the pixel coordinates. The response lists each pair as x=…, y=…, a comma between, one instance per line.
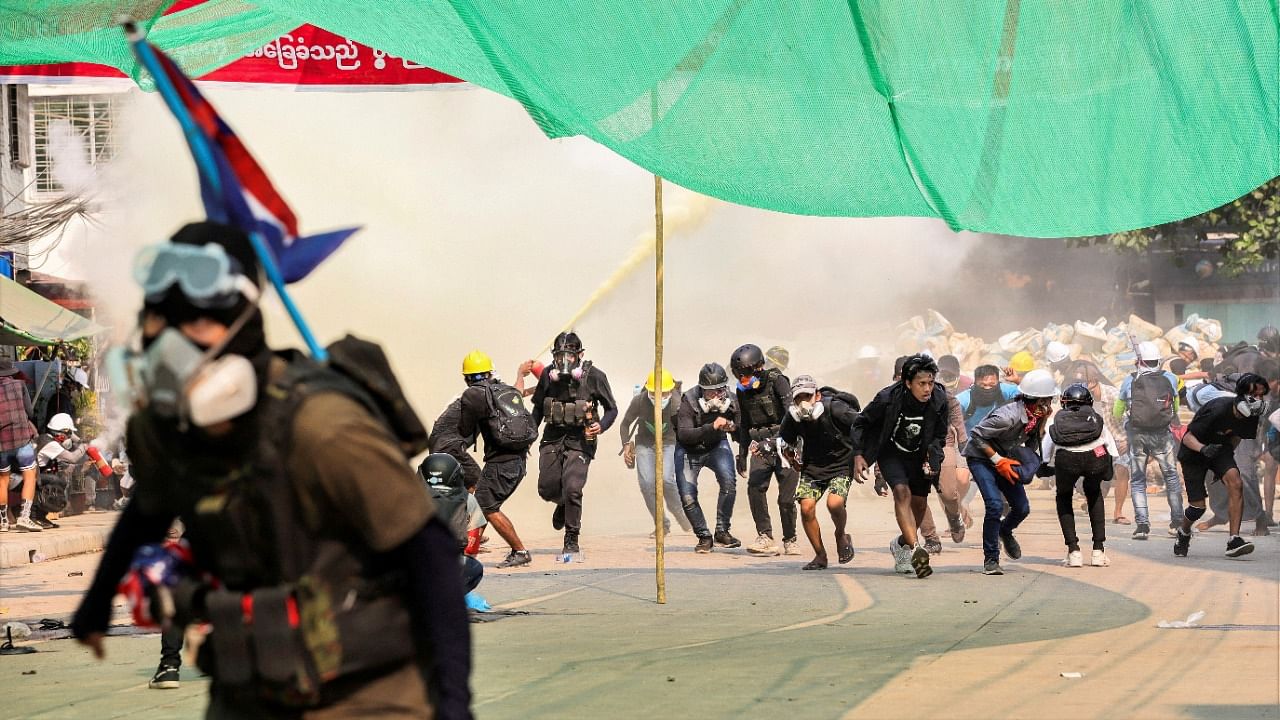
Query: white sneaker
x=1074, y=559
x=26, y=524
x=1099, y=559
x=4, y=521
x=763, y=545
x=901, y=558
x=790, y=547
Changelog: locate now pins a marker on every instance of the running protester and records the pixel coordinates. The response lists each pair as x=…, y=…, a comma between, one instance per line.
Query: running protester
x=1078, y=445
x=904, y=430
x=1003, y=454
x=706, y=417
x=986, y=394
x=639, y=443
x=1149, y=402
x=763, y=395
x=1209, y=446
x=816, y=431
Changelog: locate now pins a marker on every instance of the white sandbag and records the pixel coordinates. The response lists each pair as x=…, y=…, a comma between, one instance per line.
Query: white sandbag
x=936, y=324
x=1144, y=330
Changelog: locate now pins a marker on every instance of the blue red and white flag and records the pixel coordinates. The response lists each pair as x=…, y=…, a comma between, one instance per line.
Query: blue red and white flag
x=235, y=189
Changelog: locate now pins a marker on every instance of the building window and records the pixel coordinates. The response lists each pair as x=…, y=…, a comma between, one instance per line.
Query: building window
x=90, y=116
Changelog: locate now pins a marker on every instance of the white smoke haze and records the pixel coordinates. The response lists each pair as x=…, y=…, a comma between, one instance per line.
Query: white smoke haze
x=479, y=232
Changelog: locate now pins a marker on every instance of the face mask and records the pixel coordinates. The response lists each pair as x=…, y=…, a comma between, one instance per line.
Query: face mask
x=751, y=382
x=566, y=364
x=807, y=410
x=666, y=399
x=718, y=404
x=1249, y=406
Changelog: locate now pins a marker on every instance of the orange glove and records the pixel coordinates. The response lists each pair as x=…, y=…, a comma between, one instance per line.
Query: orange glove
x=1007, y=469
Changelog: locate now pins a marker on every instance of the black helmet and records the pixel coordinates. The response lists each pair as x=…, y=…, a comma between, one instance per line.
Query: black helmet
x=441, y=470
x=1269, y=338
x=1077, y=394
x=745, y=359
x=567, y=342
x=712, y=375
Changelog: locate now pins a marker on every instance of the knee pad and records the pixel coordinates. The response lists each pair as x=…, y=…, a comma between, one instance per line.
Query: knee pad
x=1193, y=513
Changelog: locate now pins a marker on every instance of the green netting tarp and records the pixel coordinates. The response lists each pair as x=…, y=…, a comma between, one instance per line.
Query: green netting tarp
x=1028, y=117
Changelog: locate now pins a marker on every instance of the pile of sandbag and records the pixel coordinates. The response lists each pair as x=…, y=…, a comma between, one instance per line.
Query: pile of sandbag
x=1110, y=348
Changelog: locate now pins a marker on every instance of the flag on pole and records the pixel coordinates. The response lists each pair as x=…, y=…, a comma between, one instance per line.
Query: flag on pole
x=235, y=189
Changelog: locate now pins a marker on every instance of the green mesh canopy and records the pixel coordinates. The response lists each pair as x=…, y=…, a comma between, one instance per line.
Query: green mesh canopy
x=1028, y=117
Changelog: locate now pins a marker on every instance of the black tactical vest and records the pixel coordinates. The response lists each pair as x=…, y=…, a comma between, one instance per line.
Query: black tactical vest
x=761, y=408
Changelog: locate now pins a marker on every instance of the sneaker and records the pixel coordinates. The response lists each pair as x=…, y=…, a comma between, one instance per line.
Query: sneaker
x=957, y=530
x=1182, y=545
x=557, y=518
x=992, y=567
x=1173, y=531
x=46, y=523
x=1011, y=546
x=920, y=562
x=166, y=678
x=704, y=545
x=570, y=546
x=763, y=545
x=1100, y=559
x=901, y=557
x=26, y=524
x=933, y=546
x=1074, y=559
x=724, y=539
x=1142, y=531
x=1238, y=547
x=790, y=547
x=516, y=558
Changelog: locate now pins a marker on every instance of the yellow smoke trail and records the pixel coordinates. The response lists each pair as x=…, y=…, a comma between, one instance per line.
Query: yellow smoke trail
x=683, y=216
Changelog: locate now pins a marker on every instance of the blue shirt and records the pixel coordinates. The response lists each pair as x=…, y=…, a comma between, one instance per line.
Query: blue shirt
x=1008, y=391
x=1126, y=388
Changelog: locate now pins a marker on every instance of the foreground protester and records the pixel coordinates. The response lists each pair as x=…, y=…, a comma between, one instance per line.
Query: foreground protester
x=296, y=497
x=819, y=422
x=999, y=448
x=17, y=448
x=575, y=401
x=495, y=411
x=456, y=508
x=639, y=448
x=1149, y=402
x=904, y=430
x=1079, y=448
x=706, y=418
x=1209, y=447
x=763, y=395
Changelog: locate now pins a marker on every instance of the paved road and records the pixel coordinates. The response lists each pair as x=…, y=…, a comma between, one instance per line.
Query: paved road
x=753, y=637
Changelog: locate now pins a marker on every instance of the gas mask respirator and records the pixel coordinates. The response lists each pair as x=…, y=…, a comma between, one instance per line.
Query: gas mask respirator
x=566, y=365
x=714, y=401
x=806, y=410
x=1249, y=406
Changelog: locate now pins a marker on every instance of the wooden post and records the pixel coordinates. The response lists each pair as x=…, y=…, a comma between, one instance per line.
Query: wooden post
x=660, y=513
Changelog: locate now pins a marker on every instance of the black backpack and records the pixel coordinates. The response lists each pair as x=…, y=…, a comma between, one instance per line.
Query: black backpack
x=1076, y=425
x=451, y=508
x=1151, y=401
x=511, y=424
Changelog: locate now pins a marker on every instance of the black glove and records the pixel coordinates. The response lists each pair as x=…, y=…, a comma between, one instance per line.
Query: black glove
x=742, y=464
x=1211, y=451
x=1045, y=471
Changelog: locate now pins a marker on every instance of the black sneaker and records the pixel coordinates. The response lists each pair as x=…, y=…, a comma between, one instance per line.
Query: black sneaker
x=166, y=678
x=1142, y=532
x=992, y=567
x=570, y=544
x=724, y=539
x=557, y=518
x=933, y=546
x=1011, y=546
x=920, y=562
x=704, y=545
x=1238, y=547
x=1182, y=545
x=46, y=523
x=516, y=558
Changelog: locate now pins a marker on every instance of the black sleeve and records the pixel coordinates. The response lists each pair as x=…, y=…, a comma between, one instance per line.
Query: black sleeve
x=473, y=408
x=627, y=427
x=604, y=394
x=132, y=531
x=435, y=600
x=941, y=423
x=540, y=394
x=789, y=431
x=689, y=434
x=866, y=423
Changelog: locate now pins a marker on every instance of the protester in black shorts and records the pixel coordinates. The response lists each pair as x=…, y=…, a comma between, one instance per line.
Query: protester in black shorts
x=1209, y=447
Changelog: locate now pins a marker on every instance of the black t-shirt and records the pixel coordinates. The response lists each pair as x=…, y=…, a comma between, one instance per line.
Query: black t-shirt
x=1217, y=423
x=909, y=424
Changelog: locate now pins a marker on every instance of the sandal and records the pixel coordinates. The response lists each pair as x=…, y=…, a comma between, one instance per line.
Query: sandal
x=844, y=549
x=816, y=564
x=1122, y=520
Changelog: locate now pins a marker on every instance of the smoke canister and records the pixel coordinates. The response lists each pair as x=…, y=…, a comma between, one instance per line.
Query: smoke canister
x=95, y=455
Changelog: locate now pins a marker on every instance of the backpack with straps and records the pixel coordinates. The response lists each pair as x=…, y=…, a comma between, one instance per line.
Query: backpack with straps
x=1151, y=401
x=511, y=424
x=1074, y=426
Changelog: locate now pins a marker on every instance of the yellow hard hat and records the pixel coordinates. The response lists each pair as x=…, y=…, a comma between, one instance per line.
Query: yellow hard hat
x=475, y=363
x=668, y=382
x=1022, y=362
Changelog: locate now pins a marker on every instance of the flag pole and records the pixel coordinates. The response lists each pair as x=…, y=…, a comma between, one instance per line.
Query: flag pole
x=660, y=514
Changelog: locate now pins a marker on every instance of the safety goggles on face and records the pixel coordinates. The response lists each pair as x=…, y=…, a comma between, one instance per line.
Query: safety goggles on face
x=204, y=273
x=715, y=393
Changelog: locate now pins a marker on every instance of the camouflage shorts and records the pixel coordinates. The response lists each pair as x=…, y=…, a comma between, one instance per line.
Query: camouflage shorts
x=811, y=489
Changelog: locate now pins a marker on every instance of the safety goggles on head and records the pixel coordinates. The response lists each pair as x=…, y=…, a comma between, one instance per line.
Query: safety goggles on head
x=204, y=273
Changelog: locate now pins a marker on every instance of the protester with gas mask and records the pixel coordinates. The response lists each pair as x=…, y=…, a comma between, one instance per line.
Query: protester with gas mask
x=495, y=411
x=639, y=448
x=1003, y=455
x=904, y=431
x=704, y=422
x=1209, y=446
x=293, y=482
x=575, y=401
x=816, y=432
x=763, y=397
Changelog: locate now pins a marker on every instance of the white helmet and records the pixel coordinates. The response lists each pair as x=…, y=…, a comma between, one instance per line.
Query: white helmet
x=1191, y=343
x=61, y=423
x=1038, y=384
x=868, y=352
x=1056, y=352
x=1148, y=352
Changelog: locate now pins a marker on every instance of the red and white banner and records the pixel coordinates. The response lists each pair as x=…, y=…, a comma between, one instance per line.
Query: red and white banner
x=309, y=58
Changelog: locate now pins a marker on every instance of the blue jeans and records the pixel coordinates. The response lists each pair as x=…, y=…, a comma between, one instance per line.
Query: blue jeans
x=995, y=490
x=1157, y=444
x=688, y=466
x=646, y=466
